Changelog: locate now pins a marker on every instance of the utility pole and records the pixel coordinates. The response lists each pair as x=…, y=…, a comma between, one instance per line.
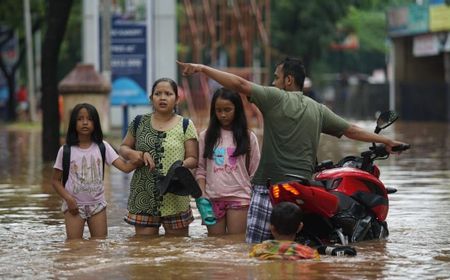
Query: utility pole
x=391, y=76
x=105, y=10
x=106, y=39
x=30, y=68
x=91, y=33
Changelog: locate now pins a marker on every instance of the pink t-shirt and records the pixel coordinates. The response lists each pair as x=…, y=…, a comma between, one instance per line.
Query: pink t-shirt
x=85, y=180
x=226, y=176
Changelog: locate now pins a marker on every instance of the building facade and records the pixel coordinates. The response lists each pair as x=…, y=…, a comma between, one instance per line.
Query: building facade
x=420, y=60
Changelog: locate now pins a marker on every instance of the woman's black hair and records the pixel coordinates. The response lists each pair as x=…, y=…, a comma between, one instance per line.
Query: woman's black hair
x=72, y=134
x=238, y=126
x=286, y=218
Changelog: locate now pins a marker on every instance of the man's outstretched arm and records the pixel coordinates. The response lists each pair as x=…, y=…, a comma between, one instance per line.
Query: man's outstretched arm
x=226, y=79
x=356, y=133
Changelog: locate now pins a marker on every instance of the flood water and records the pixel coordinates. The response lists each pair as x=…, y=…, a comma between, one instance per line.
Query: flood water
x=32, y=233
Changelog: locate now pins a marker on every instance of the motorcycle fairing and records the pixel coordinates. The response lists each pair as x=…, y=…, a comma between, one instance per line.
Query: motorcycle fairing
x=378, y=204
x=349, y=175
x=312, y=199
x=360, y=185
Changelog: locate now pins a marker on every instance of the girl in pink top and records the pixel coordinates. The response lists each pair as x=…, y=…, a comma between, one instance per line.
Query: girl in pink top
x=229, y=155
x=84, y=193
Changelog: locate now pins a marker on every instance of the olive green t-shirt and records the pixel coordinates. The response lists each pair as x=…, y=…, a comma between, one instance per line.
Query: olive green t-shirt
x=292, y=127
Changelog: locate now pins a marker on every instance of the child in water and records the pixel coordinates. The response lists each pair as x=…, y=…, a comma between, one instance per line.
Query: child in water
x=228, y=158
x=83, y=193
x=286, y=221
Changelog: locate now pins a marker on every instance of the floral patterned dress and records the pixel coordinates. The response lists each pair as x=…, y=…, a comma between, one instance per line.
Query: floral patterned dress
x=166, y=147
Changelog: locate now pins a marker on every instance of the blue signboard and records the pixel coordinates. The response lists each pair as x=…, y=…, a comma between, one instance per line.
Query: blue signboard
x=128, y=62
x=436, y=2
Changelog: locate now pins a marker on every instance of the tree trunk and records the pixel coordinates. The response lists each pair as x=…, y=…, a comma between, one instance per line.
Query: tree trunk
x=57, y=16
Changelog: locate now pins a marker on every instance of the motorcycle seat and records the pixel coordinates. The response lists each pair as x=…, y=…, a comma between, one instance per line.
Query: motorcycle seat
x=307, y=182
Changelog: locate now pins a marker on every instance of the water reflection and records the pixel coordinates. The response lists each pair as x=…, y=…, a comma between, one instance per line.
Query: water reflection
x=32, y=230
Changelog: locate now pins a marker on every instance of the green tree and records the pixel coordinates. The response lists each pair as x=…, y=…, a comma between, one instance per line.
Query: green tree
x=369, y=26
x=53, y=17
x=11, y=15
x=305, y=28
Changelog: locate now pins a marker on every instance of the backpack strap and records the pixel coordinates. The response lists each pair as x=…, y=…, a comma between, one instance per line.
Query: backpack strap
x=185, y=124
x=66, y=163
x=102, y=148
x=137, y=121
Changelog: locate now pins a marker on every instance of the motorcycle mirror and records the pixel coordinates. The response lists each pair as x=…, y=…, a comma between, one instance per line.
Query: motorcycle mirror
x=385, y=119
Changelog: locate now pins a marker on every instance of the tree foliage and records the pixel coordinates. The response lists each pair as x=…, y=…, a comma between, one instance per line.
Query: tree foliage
x=56, y=14
x=307, y=28
x=11, y=15
x=369, y=26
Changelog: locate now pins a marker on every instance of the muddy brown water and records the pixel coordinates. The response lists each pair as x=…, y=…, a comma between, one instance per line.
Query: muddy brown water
x=32, y=234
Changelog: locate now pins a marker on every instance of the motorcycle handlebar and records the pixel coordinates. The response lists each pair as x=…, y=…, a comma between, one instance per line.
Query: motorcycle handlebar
x=401, y=148
x=380, y=150
x=367, y=157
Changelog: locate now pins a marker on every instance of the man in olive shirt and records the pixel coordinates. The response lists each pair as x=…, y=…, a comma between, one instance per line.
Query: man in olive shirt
x=293, y=123
x=292, y=127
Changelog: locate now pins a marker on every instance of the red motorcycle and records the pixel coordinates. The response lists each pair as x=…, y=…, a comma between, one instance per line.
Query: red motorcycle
x=346, y=201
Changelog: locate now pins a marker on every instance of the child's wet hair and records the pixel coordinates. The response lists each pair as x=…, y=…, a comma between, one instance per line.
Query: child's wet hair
x=72, y=134
x=286, y=218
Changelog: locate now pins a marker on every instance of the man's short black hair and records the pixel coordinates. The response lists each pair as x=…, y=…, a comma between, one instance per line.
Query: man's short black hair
x=294, y=67
x=286, y=218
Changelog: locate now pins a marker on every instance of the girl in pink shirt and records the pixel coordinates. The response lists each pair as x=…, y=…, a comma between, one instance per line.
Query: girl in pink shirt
x=83, y=193
x=229, y=155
